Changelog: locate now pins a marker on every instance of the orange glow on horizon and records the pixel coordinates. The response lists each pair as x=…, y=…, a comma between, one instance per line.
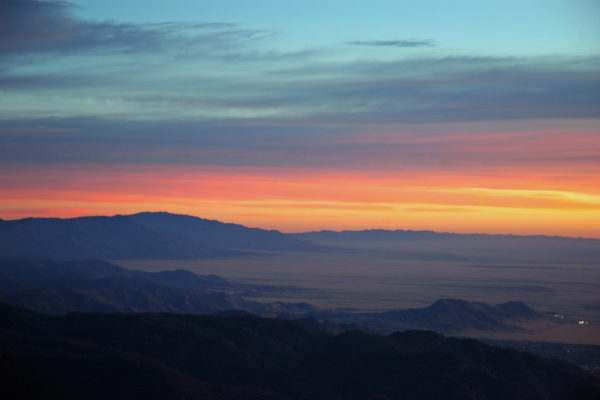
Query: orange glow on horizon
x=543, y=201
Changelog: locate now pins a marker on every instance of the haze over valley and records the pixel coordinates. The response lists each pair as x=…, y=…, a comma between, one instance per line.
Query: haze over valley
x=336, y=276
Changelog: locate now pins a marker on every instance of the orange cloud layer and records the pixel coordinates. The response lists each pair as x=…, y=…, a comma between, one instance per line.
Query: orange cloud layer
x=565, y=201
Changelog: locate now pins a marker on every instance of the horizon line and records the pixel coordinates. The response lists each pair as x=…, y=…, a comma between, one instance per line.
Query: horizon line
x=317, y=231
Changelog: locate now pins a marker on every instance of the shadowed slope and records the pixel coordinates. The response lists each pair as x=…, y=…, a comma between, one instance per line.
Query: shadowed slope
x=95, y=237
x=218, y=234
x=140, y=236
x=241, y=356
x=58, y=287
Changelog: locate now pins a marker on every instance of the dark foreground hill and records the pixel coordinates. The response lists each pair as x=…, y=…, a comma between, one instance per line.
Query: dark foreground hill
x=139, y=236
x=239, y=356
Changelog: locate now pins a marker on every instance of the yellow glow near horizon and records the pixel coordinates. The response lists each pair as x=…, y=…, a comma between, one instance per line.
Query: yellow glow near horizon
x=299, y=200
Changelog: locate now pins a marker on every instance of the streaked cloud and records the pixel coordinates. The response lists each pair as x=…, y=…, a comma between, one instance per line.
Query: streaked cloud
x=39, y=27
x=423, y=90
x=403, y=43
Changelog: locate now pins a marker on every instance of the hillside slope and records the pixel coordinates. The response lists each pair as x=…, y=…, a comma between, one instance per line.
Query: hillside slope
x=115, y=237
x=245, y=357
x=146, y=235
x=58, y=287
x=218, y=234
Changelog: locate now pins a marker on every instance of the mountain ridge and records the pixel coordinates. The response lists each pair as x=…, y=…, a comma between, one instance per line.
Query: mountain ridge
x=219, y=234
x=240, y=356
x=447, y=316
x=136, y=236
x=58, y=287
x=324, y=232
x=328, y=234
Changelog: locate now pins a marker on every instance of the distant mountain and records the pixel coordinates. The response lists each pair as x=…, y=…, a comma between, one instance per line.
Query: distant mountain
x=162, y=235
x=139, y=236
x=386, y=234
x=239, y=356
x=218, y=234
x=442, y=246
x=115, y=237
x=31, y=275
x=58, y=287
x=445, y=316
x=368, y=235
x=451, y=315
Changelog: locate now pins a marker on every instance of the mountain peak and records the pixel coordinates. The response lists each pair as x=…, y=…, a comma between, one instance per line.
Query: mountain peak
x=146, y=235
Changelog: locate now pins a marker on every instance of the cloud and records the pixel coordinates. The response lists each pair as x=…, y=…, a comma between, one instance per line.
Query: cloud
x=404, y=43
x=550, y=145
x=450, y=89
x=220, y=71
x=33, y=26
x=361, y=92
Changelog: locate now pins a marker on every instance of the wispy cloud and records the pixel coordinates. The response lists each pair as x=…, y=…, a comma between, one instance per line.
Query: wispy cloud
x=222, y=71
x=34, y=26
x=403, y=43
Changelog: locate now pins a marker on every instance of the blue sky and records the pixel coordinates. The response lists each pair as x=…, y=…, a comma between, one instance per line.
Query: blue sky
x=489, y=27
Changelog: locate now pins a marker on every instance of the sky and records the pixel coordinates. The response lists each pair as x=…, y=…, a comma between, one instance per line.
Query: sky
x=461, y=116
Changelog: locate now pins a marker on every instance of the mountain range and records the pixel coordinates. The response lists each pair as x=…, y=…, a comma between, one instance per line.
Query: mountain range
x=139, y=236
x=240, y=356
x=162, y=235
x=58, y=287
x=407, y=234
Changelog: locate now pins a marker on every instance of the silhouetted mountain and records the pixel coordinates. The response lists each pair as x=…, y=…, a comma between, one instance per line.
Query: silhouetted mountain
x=142, y=236
x=239, y=356
x=58, y=287
x=442, y=246
x=218, y=234
x=115, y=237
x=446, y=316
x=407, y=234
x=368, y=235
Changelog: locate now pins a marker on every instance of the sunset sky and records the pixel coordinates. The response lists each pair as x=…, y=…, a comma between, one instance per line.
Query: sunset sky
x=461, y=116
